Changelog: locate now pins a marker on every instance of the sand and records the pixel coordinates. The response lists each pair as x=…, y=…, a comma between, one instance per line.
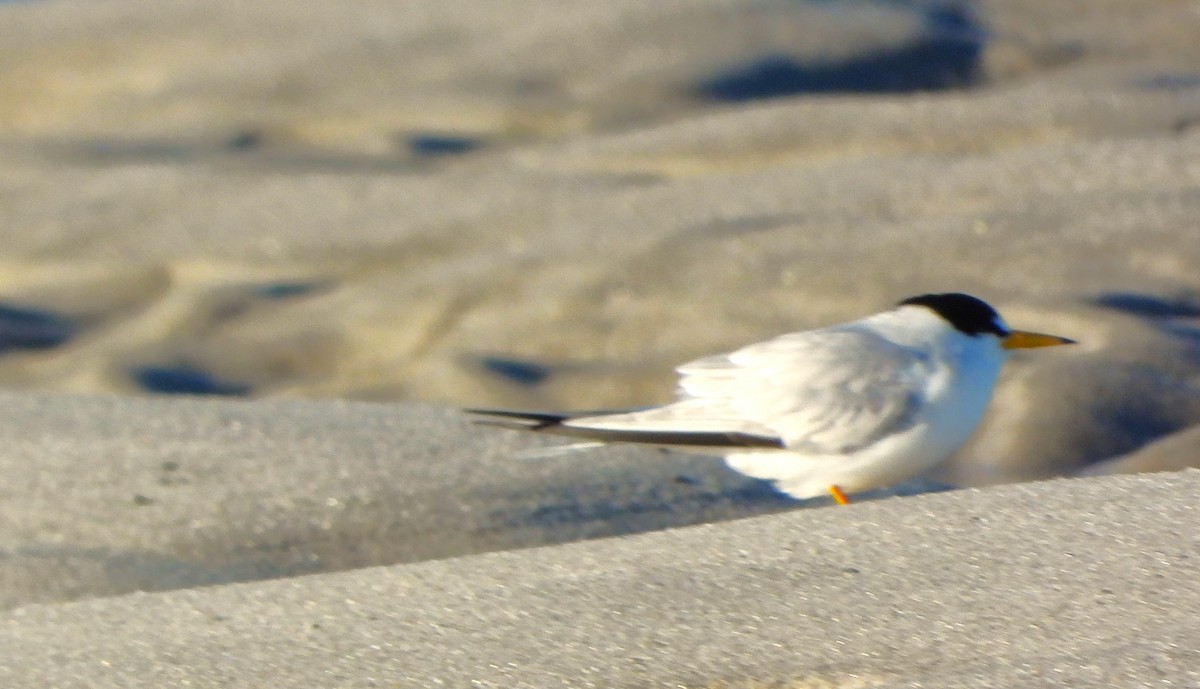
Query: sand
x=355, y=219
x=1057, y=584
x=107, y=495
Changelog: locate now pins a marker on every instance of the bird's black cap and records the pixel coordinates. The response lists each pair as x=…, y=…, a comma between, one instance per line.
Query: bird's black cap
x=969, y=315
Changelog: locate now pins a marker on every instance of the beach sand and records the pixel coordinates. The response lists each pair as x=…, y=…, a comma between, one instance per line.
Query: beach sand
x=356, y=219
x=1084, y=582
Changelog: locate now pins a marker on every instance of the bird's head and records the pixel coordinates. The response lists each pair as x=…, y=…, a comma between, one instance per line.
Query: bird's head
x=974, y=317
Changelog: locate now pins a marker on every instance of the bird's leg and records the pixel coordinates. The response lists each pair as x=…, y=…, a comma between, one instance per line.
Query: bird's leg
x=838, y=496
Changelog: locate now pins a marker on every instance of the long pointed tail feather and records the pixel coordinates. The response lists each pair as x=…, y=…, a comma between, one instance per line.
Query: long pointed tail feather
x=516, y=420
x=560, y=424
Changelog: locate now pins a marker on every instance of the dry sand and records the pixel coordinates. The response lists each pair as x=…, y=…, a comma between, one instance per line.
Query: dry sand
x=1060, y=584
x=548, y=205
x=108, y=495
x=437, y=202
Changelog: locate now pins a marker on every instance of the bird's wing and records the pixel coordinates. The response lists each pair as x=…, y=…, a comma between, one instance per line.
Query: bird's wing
x=818, y=392
x=628, y=427
x=822, y=392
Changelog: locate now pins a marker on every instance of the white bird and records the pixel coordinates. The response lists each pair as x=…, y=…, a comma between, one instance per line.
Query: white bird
x=842, y=409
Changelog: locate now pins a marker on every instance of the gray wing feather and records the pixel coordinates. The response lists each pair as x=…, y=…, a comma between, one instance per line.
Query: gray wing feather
x=821, y=392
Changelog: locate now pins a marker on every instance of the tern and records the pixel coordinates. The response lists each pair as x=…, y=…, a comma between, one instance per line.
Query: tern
x=838, y=410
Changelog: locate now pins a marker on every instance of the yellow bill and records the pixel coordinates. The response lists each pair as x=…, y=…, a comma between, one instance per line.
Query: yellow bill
x=1023, y=339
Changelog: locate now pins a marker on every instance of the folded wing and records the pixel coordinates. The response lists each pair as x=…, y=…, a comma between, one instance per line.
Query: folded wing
x=818, y=392
x=827, y=391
